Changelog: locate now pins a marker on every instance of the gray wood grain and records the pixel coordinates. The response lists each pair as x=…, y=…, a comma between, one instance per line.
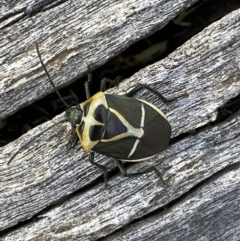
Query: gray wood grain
x=211, y=212
x=70, y=35
x=207, y=69
x=99, y=211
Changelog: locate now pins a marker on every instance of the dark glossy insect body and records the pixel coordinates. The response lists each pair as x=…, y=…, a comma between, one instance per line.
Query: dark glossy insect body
x=122, y=127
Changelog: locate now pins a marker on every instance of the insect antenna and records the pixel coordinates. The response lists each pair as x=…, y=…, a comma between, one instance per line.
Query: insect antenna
x=53, y=85
x=39, y=134
x=35, y=137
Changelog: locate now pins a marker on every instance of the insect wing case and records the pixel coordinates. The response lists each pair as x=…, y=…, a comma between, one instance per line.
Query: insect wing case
x=135, y=130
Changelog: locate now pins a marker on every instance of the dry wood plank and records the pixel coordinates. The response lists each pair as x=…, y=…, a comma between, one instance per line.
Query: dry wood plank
x=71, y=35
x=207, y=67
x=208, y=213
x=99, y=211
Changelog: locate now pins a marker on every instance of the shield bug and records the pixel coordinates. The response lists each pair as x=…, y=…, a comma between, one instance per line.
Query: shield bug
x=118, y=126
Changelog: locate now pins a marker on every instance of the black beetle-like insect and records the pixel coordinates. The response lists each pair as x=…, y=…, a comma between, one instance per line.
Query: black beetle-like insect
x=121, y=127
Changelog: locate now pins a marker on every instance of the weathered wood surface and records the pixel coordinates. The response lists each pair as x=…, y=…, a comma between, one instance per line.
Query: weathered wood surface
x=71, y=35
x=207, y=68
x=209, y=213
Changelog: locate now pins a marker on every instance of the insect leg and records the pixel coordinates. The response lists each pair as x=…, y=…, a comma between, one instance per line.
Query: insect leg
x=89, y=74
x=73, y=140
x=149, y=169
x=229, y=109
x=114, y=82
x=87, y=90
x=144, y=86
x=102, y=167
x=87, y=84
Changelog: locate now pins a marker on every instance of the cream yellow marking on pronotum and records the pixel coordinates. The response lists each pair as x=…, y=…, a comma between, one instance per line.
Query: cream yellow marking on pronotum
x=89, y=120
